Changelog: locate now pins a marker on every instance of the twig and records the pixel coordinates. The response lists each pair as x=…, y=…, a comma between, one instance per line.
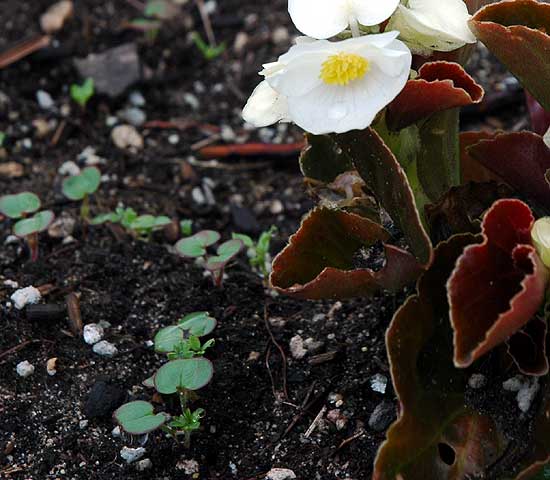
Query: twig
x=251, y=149
x=304, y=408
x=58, y=133
x=206, y=22
x=315, y=422
x=207, y=141
x=15, y=349
x=283, y=356
x=23, y=49
x=347, y=441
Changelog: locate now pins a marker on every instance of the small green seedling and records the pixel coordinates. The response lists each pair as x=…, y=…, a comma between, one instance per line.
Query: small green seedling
x=18, y=207
x=2, y=139
x=141, y=226
x=185, y=372
x=209, y=52
x=82, y=94
x=196, y=247
x=258, y=252
x=29, y=228
x=81, y=186
x=124, y=216
x=186, y=227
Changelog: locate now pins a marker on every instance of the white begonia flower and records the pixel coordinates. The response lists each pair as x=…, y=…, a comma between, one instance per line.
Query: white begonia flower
x=326, y=18
x=428, y=25
x=331, y=87
x=541, y=239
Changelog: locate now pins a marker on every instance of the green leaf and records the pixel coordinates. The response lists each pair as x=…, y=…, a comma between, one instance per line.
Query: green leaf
x=186, y=227
x=104, y=218
x=18, y=205
x=322, y=159
x=81, y=94
x=127, y=216
x=38, y=223
x=167, y=338
x=186, y=374
x=137, y=418
x=86, y=183
x=195, y=246
x=226, y=252
x=248, y=242
x=149, y=222
x=198, y=323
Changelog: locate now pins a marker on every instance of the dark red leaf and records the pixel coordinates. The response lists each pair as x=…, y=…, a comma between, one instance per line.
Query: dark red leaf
x=527, y=348
x=520, y=159
x=497, y=286
x=439, y=86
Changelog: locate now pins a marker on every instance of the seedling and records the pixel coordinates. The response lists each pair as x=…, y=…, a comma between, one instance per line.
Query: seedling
x=124, y=216
x=258, y=252
x=18, y=207
x=82, y=94
x=2, y=139
x=196, y=245
x=141, y=226
x=186, y=227
x=80, y=187
x=185, y=372
x=29, y=228
x=209, y=52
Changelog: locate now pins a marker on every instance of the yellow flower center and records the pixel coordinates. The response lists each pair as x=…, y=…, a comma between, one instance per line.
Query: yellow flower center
x=344, y=68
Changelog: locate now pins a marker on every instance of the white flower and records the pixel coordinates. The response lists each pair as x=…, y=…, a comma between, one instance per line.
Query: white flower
x=428, y=25
x=331, y=87
x=541, y=239
x=326, y=18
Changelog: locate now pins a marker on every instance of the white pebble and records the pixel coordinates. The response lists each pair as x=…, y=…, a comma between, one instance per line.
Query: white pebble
x=137, y=99
x=192, y=101
x=105, y=349
x=24, y=369
x=280, y=474
x=297, y=348
x=174, y=139
x=514, y=384
x=127, y=137
x=93, y=333
x=378, y=383
x=116, y=432
x=132, y=454
x=11, y=283
x=477, y=380
x=527, y=394
x=144, y=464
x=83, y=424
x=25, y=296
x=69, y=168
x=44, y=99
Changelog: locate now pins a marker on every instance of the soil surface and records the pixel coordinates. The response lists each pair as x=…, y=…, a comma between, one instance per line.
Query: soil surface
x=260, y=404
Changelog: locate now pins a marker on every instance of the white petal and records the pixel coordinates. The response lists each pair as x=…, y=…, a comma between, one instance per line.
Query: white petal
x=300, y=76
x=265, y=106
x=319, y=18
x=373, y=12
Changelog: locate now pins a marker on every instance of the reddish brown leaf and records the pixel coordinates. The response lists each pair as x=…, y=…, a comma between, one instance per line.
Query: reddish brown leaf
x=540, y=118
x=433, y=416
x=520, y=159
x=497, y=286
x=471, y=169
x=439, y=86
x=319, y=260
x=516, y=32
x=387, y=180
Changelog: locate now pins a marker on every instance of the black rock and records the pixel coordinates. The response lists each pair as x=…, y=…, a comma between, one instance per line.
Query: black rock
x=384, y=414
x=244, y=220
x=104, y=398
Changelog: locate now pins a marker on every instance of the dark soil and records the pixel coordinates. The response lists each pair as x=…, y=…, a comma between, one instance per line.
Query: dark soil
x=138, y=287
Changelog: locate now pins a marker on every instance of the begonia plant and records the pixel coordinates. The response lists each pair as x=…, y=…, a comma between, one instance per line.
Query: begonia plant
x=405, y=197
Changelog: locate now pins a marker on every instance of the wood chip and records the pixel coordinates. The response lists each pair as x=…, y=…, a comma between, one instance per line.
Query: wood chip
x=23, y=49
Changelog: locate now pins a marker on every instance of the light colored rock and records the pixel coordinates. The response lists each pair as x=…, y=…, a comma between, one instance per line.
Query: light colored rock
x=25, y=296
x=105, y=349
x=133, y=115
x=189, y=467
x=174, y=139
x=62, y=226
x=137, y=99
x=527, y=394
x=93, y=333
x=514, y=384
x=44, y=99
x=69, y=168
x=89, y=157
x=280, y=35
x=378, y=383
x=477, y=380
x=24, y=369
x=116, y=432
x=131, y=455
x=55, y=17
x=144, y=464
x=280, y=474
x=297, y=349
x=11, y=283
x=338, y=418
x=51, y=366
x=127, y=137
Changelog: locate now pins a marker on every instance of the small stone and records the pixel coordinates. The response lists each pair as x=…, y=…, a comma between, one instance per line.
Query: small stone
x=42, y=127
x=27, y=143
x=69, y=168
x=25, y=296
x=477, y=380
x=116, y=432
x=104, y=398
x=133, y=116
x=192, y=100
x=45, y=100
x=338, y=418
x=11, y=283
x=89, y=157
x=174, y=139
x=11, y=169
x=137, y=99
x=280, y=35
x=55, y=17
x=253, y=356
x=24, y=369
x=378, y=383
x=130, y=455
x=277, y=322
x=127, y=137
x=105, y=349
x=312, y=345
x=83, y=424
x=382, y=416
x=514, y=384
x=62, y=226
x=280, y=474
x=227, y=134
x=144, y=464
x=297, y=349
x=93, y=333
x=240, y=43
x=51, y=365
x=527, y=394
x=189, y=467
x=276, y=207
